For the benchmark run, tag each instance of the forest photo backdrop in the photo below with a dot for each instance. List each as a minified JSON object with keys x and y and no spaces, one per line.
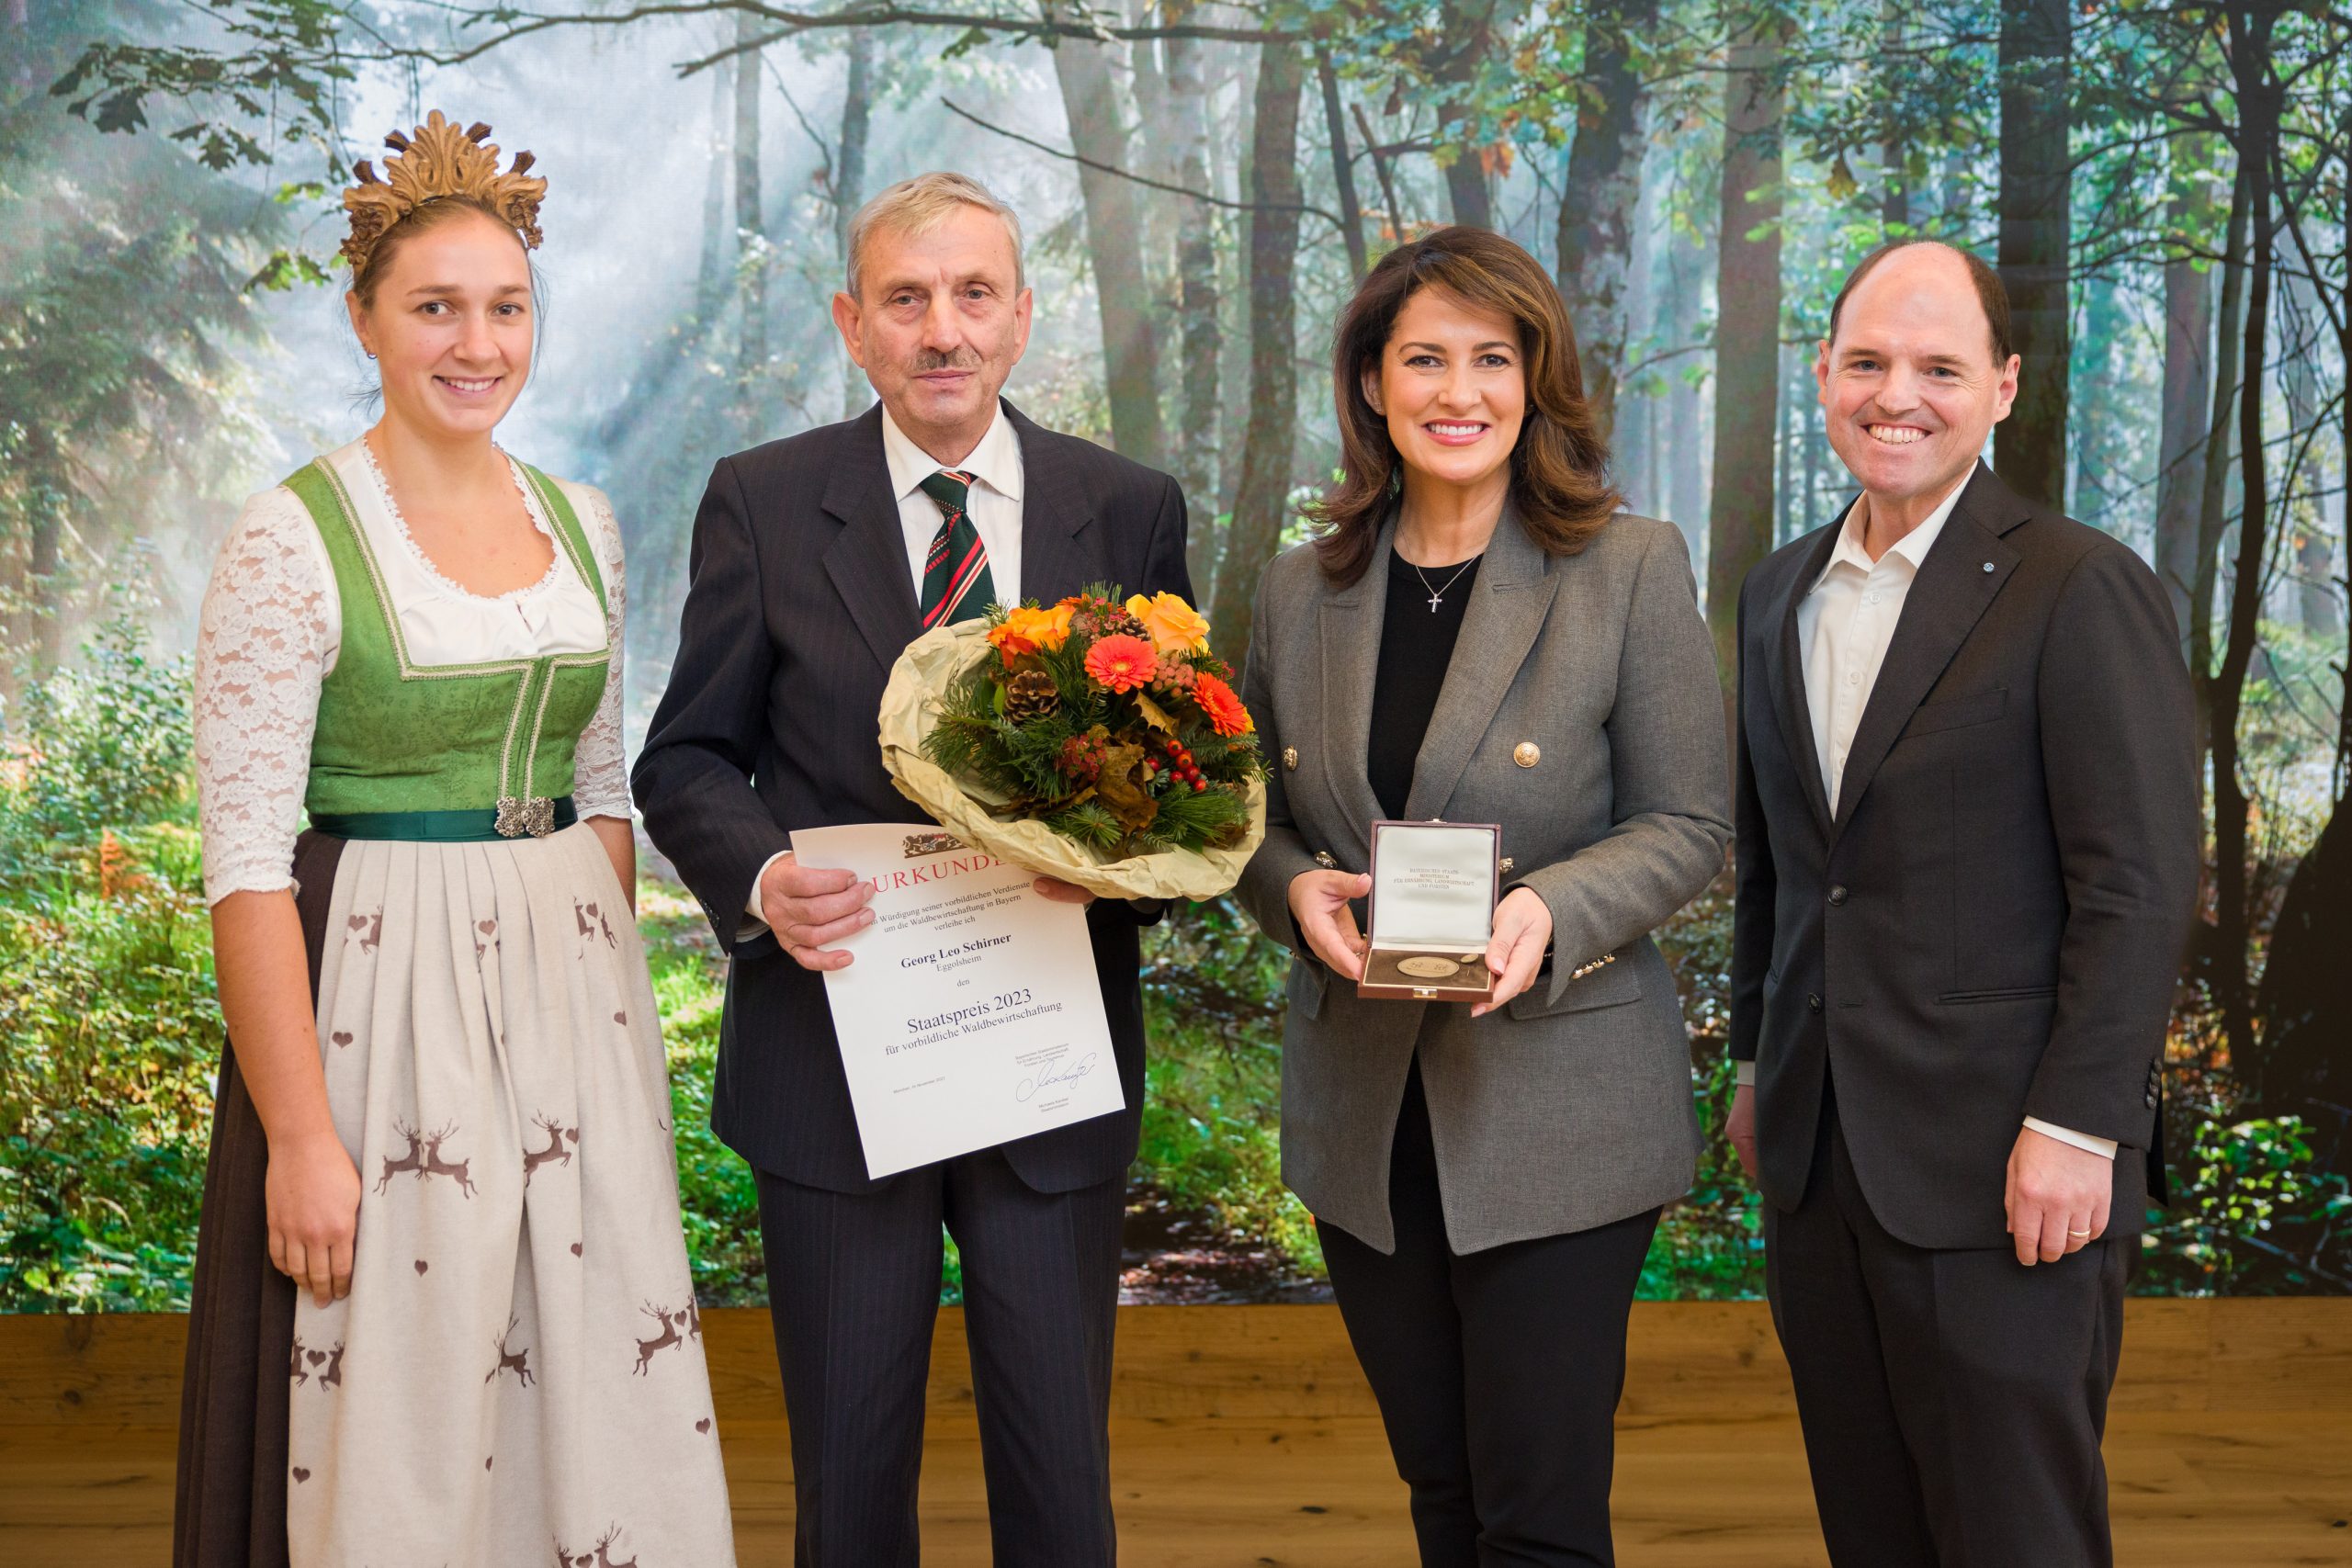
{"x":2163,"y":186}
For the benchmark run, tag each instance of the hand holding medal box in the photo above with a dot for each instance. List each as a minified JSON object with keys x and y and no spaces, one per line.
{"x":1431,"y":911}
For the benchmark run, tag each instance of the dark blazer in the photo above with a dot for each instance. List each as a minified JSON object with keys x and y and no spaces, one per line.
{"x":799,"y":602}
{"x":1991,"y":926}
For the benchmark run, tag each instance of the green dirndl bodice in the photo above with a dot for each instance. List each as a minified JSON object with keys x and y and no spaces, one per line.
{"x":444,"y":752}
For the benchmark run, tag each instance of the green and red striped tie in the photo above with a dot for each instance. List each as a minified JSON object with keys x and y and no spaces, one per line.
{"x":956,"y":581}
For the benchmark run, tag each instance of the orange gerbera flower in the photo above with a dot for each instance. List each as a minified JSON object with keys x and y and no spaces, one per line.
{"x":1122,"y":663}
{"x":1225,"y":714}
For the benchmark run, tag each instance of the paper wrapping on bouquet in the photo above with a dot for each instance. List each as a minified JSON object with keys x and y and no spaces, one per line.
{"x":932,"y":664}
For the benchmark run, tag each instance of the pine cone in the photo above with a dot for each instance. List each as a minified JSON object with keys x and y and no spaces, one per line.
{"x":1030,"y":694}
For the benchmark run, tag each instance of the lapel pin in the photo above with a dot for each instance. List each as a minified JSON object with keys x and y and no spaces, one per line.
{"x":1988,"y":566}
{"x":1290,"y":757}
{"x":1527,"y":753}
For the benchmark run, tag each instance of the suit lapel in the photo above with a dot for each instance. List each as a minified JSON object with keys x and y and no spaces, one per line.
{"x":1958,"y":581}
{"x":1054,"y":512}
{"x":1787,"y":668}
{"x":1350,"y":634}
{"x":867,"y":561}
{"x":1515,"y":588}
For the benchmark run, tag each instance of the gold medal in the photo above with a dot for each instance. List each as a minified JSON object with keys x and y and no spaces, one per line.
{"x":1430,"y":966}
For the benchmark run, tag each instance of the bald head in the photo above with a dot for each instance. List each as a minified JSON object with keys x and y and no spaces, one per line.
{"x":1942,"y":264}
{"x":1915,"y":373}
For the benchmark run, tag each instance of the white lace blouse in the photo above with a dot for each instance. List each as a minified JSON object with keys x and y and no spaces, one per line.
{"x":272,"y":625}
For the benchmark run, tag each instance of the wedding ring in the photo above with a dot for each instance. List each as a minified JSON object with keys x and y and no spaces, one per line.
{"x":2077,"y":1232}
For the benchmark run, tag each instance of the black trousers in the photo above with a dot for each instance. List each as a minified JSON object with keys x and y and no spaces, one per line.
{"x":853,"y":1288}
{"x":1952,"y":1401}
{"x":1498,"y":1373}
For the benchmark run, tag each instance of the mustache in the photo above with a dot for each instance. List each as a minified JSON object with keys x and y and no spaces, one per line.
{"x":951,"y":359}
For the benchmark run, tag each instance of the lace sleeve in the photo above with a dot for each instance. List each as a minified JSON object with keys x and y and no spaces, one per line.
{"x":265,"y":641}
{"x":600,"y":765}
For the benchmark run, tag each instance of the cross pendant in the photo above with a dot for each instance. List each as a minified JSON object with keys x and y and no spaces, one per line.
{"x":1435,"y":599}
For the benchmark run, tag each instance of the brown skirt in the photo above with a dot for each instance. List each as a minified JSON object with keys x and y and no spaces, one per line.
{"x":229,"y":1508}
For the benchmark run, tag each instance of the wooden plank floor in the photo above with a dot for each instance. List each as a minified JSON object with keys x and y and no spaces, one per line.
{"x":1244,"y":1437}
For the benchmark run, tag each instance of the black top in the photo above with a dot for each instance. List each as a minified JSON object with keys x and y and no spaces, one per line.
{"x":1416,"y":645}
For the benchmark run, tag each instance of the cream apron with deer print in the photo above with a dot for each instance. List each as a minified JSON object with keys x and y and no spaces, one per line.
{"x":518,"y":1369}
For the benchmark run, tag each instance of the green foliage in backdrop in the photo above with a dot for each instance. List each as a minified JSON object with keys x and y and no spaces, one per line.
{"x":110,"y":1038}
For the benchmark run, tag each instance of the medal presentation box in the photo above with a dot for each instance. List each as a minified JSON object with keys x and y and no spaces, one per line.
{"x":1431,"y":911}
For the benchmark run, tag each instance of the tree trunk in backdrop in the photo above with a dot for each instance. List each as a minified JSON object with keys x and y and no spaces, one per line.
{"x":1114,"y":248}
{"x":2258,"y":104}
{"x":1894,"y":196}
{"x":2029,"y":447}
{"x":1603,"y":187}
{"x":2213,"y":500}
{"x":848,"y":187}
{"x":1343,"y":174}
{"x":2186,"y":424}
{"x":1198,"y":302}
{"x":2303,"y":511}
{"x":1685,"y":415}
{"x":751,"y":222}
{"x":711,"y":275}
{"x":1469,"y":31}
{"x":1261,"y":496}
{"x":1747,"y":322}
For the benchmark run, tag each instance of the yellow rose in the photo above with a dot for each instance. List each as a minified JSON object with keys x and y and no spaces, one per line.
{"x":1175,"y":627}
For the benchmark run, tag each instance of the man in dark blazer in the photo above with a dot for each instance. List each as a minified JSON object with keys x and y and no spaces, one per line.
{"x":1968,"y":839}
{"x":815,"y":560}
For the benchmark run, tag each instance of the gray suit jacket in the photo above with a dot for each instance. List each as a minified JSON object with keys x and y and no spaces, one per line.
{"x":1570,"y":1106}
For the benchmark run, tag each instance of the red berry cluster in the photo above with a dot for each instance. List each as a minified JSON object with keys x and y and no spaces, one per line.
{"x":1181,"y":768}
{"x":1081,"y":759}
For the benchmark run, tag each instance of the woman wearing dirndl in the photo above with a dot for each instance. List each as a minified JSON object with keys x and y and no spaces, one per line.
{"x":442,"y":1311}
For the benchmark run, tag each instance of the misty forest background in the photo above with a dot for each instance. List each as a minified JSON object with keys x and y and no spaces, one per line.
{"x":2162,"y":185}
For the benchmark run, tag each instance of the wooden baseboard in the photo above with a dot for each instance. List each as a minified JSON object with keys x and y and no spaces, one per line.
{"x":1717,"y":1359}
{"x":1243,"y":1435}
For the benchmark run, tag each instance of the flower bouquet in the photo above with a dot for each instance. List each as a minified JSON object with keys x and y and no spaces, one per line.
{"x":1096,"y":741}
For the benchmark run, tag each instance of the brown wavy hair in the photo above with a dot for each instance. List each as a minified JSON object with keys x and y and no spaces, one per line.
{"x":1559,"y":471}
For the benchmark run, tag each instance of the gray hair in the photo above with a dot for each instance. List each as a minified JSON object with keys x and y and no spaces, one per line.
{"x":921,"y":204}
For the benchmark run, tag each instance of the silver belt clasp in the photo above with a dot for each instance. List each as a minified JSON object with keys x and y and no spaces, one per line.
{"x":520,"y":816}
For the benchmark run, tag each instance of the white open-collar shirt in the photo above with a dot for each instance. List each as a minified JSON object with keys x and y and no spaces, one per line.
{"x":994,"y":502}
{"x":1844,"y":624}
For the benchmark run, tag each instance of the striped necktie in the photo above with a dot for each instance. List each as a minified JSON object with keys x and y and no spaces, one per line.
{"x":956,"y":581}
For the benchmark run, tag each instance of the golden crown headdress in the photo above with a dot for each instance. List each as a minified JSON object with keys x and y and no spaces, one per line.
{"x":433,"y":161}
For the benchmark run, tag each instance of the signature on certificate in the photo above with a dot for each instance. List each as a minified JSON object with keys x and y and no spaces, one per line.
{"x":1053,"y":1073}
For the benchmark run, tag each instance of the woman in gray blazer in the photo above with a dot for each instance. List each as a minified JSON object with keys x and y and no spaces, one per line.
{"x":1478,"y":634}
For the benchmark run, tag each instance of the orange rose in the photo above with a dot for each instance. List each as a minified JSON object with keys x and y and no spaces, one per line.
{"x":1053,"y":626}
{"x":1225,"y":712}
{"x":1029,"y":631}
{"x":1122,"y":663}
{"x":1175,"y":627}
{"x":1006,"y":638}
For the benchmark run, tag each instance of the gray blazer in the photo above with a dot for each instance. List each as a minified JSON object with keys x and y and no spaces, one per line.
{"x":1570,"y":1106}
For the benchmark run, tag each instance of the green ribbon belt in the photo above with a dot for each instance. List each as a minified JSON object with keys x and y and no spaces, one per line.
{"x":427,"y":827}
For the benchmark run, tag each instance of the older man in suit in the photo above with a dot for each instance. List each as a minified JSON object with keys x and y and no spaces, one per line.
{"x":1967,"y":840}
{"x":815,"y":560}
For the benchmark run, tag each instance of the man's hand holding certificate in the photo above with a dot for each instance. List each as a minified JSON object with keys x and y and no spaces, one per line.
{"x":968,"y":1005}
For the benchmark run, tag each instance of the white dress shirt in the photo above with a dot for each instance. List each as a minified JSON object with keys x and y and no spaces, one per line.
{"x":1844,"y":624}
{"x":994,"y":502}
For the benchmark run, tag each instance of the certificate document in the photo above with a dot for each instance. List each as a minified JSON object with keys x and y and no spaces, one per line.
{"x":972,"y":1014}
